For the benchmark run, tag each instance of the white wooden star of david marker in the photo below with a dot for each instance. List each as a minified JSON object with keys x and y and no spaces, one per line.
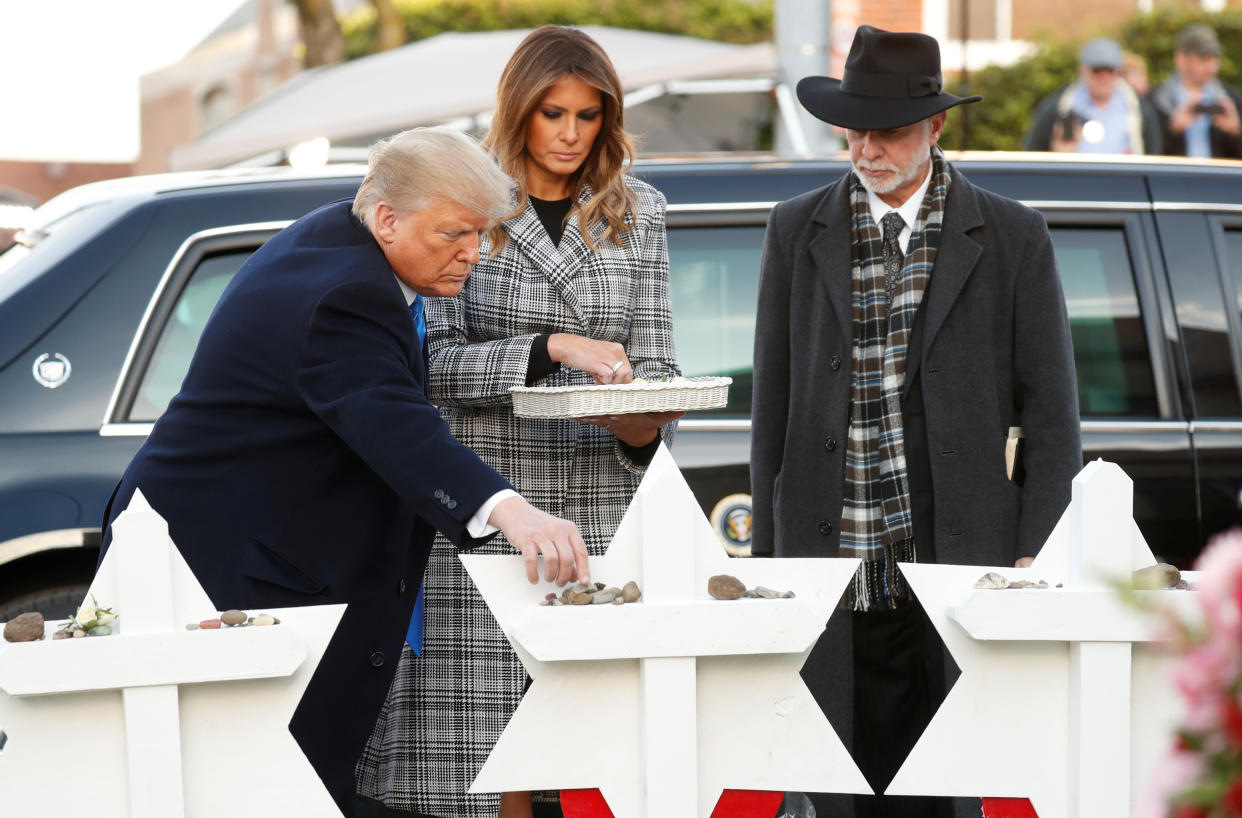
{"x":156,"y":721}
{"x":1058,"y":700}
{"x":664,"y":703}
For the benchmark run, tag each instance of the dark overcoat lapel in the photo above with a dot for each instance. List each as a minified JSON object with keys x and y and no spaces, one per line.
{"x":833,"y":220}
{"x":955,"y":261}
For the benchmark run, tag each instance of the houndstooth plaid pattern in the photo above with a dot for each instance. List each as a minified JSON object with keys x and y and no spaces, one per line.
{"x":876,"y":521}
{"x":446,"y":709}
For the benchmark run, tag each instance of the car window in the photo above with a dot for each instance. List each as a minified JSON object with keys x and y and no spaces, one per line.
{"x":1233,"y":262}
{"x":1203,"y":321}
{"x":714,"y":288}
{"x":1110,"y":347}
{"x":180,"y":334}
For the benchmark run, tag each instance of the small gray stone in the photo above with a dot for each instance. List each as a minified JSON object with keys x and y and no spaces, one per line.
{"x":79,"y":634}
{"x":100,"y":630}
{"x":1156,"y":577}
{"x":193,"y":626}
{"x":724,"y":586}
{"x":63,"y":634}
{"x":27,"y":627}
{"x":766,"y":593}
{"x":787,"y":594}
{"x":604,"y":596}
{"x":618,"y":601}
{"x":630,"y":592}
{"x":750,"y":594}
{"x":232,"y":617}
{"x":264,"y":619}
{"x":991,"y":581}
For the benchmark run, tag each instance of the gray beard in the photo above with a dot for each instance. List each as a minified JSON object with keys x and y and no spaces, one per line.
{"x":899,"y":178}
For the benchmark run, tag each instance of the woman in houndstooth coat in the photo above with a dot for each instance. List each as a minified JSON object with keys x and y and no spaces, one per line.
{"x":548,"y":304}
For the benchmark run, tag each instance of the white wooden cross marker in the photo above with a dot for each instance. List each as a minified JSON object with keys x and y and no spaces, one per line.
{"x":665,"y":703}
{"x":1043,"y":708}
{"x":60,"y":718}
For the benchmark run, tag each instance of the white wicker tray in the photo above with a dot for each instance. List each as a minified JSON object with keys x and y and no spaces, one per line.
{"x":680,"y":395}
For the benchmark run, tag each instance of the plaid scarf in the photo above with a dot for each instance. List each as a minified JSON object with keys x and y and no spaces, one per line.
{"x":876,"y":522}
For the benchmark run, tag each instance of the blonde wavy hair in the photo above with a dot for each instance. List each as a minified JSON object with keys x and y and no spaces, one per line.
{"x":548,"y":55}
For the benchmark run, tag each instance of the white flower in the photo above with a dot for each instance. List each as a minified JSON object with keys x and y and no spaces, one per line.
{"x":104,"y":617}
{"x":86,"y":615}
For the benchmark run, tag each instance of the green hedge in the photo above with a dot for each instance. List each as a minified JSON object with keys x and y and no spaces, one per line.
{"x":1011,"y":93}
{"x":733,"y":21}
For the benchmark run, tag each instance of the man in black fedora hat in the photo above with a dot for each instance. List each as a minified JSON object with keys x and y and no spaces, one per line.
{"x":907,"y":321}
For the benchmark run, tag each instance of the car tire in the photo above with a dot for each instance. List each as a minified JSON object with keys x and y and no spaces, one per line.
{"x":60,"y":602}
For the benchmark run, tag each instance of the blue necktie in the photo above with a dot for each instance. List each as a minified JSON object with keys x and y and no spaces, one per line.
{"x":414,"y":636}
{"x":420,"y":320}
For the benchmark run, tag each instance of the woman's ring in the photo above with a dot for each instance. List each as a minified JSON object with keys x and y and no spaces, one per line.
{"x":617,"y":366}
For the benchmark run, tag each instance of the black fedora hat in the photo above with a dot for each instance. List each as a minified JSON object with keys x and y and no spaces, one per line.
{"x":891,"y":79}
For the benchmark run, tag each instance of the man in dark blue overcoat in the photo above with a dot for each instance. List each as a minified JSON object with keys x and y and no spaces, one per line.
{"x":302,"y":464}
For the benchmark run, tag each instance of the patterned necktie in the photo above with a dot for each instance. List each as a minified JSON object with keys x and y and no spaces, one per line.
{"x":414,"y":634}
{"x":420,"y":320}
{"x":894,"y":259}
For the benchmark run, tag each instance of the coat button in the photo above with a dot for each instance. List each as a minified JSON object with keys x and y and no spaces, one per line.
{"x":830,"y":444}
{"x":377,"y":659}
{"x":439,"y":494}
{"x":452,"y":504}
{"x":825,"y":527}
{"x":835,"y":362}
{"x":401,"y":586}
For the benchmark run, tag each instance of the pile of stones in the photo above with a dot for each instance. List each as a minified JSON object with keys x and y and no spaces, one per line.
{"x":233,"y":618}
{"x":994,"y":581}
{"x":91,"y":620}
{"x":1158,"y":577}
{"x":595,"y":594}
{"x":724,"y":586}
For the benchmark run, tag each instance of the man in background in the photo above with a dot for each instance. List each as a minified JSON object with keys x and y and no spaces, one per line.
{"x":1098,"y":113}
{"x":1198,"y":113}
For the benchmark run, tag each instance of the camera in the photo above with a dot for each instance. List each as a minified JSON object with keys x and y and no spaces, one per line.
{"x":1068,"y":123}
{"x":1209,"y":108}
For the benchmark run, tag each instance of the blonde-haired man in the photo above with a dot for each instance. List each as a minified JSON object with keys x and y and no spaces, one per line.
{"x":301,"y":463}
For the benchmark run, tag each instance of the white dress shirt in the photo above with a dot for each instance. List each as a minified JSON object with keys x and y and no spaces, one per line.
{"x":909,"y":210}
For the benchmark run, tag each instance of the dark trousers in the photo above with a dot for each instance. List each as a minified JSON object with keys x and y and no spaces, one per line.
{"x":898,"y":684}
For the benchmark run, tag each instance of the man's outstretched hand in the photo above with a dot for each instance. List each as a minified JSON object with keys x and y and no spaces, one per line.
{"x":535,"y":533}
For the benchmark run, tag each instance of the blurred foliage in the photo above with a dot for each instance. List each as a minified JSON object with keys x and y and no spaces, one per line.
{"x":732,"y":21}
{"x":1151,"y":36}
{"x":1012,"y":93}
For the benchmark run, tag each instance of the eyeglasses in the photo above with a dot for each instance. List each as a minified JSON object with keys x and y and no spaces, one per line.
{"x":1102,"y":69}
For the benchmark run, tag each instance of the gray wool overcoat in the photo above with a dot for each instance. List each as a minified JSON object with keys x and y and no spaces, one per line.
{"x":995,"y":353}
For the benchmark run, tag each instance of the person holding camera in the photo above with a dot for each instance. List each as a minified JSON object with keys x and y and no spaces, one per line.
{"x":1198,"y":113}
{"x":1099,"y":113}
